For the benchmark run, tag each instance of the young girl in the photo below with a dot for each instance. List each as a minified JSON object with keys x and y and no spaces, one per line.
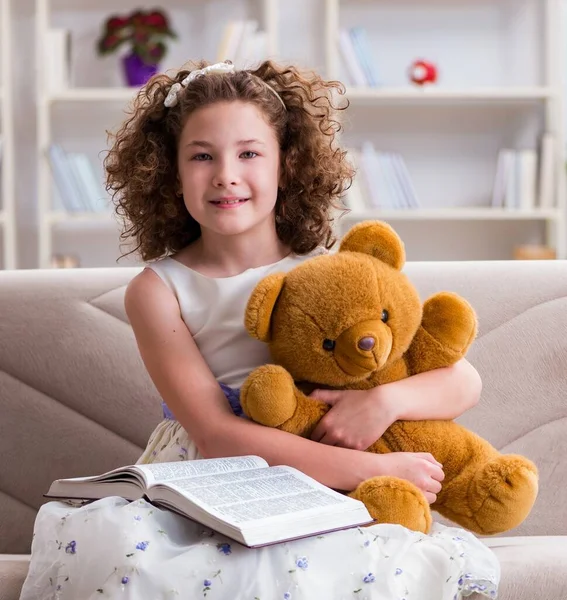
{"x":225,"y":176}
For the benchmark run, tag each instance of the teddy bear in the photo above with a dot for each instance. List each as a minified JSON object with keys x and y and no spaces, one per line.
{"x":352,"y":320}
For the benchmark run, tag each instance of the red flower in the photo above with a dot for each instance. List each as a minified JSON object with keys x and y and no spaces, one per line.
{"x":143,"y":31}
{"x":156,"y":19}
{"x":115,"y":23}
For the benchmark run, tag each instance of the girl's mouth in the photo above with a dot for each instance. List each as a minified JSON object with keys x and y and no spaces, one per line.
{"x":229,"y":203}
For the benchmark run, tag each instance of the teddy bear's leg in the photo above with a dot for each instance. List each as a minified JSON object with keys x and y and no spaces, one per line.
{"x":270,"y":397}
{"x":498,"y":498}
{"x":448,"y":328}
{"x":483,"y":490}
{"x":394,"y":500}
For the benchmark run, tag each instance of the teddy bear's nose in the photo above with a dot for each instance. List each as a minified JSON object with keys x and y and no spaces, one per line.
{"x":366,"y":343}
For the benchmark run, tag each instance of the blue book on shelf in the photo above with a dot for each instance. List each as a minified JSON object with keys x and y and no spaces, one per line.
{"x":362,"y":49}
{"x":67,"y":188}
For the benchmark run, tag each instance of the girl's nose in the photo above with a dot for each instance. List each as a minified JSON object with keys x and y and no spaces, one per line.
{"x":226,"y":175}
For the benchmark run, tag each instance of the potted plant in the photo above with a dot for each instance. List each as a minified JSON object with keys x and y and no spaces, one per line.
{"x":144,"y":32}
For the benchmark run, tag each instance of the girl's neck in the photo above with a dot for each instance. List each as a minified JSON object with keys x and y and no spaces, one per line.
{"x":217,"y":255}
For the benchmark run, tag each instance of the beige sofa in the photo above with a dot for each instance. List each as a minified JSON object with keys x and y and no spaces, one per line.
{"x":75,"y":398}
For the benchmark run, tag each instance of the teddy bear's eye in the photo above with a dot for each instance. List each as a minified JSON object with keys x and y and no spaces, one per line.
{"x":328,"y":345}
{"x":385,"y":315}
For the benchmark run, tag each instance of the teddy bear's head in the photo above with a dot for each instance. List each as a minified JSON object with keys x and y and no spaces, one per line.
{"x":338,"y":318}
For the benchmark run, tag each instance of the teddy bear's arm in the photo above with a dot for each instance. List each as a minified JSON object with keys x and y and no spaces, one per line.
{"x":270,"y":397}
{"x":447,"y":330}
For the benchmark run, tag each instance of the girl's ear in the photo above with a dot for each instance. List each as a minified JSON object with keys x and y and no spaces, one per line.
{"x":258,"y":317}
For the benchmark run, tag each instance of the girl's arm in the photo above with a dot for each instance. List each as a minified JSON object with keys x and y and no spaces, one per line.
{"x":440,"y":394}
{"x":190,"y":390}
{"x":359,"y":418}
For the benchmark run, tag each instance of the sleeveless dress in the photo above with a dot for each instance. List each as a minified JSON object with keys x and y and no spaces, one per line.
{"x":113,"y":548}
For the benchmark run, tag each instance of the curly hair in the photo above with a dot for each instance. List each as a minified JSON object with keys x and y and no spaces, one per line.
{"x":141,"y":165}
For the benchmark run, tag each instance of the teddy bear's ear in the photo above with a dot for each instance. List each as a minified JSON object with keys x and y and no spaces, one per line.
{"x":377,"y":239}
{"x":261,"y":306}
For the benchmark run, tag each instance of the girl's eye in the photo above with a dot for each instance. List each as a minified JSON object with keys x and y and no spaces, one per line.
{"x":249,"y":154}
{"x":202,"y":157}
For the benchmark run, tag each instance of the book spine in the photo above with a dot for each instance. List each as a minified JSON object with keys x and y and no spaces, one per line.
{"x":352,"y":64}
{"x":527,"y":183}
{"x":546,"y":183}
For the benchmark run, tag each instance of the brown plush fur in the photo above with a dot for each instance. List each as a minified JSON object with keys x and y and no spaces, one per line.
{"x":341,"y":298}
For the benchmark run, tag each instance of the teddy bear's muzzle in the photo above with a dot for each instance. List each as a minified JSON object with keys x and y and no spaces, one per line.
{"x":363,"y":348}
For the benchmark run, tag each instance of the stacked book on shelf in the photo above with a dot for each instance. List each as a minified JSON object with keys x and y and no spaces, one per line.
{"x":243,"y":43}
{"x":78,"y":188}
{"x":523,"y":180}
{"x":357,"y":57}
{"x":382,"y":181}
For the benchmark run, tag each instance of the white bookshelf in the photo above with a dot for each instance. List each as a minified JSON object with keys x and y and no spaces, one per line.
{"x":500,"y":86}
{"x":77,"y":116}
{"x":7,"y":199}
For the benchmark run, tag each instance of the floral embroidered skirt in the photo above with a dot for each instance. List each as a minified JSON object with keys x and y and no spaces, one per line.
{"x":113,"y":548}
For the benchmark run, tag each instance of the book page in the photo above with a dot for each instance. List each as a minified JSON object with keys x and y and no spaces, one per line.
{"x":258,"y":494}
{"x":171,"y":471}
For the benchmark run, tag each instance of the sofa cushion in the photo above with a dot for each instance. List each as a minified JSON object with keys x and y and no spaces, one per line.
{"x":532,"y":567}
{"x":13,"y":571}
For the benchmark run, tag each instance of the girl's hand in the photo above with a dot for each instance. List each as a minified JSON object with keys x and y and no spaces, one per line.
{"x":356,"y":420}
{"x":418,"y":467}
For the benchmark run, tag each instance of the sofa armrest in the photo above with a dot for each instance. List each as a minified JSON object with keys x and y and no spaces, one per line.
{"x":13,"y":571}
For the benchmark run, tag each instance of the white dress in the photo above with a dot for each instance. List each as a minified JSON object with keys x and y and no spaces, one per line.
{"x":113,"y":548}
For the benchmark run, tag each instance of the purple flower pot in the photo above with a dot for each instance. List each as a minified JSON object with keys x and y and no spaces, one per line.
{"x":137,"y":72}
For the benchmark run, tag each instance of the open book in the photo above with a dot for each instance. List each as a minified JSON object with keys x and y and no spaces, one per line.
{"x":240,"y":497}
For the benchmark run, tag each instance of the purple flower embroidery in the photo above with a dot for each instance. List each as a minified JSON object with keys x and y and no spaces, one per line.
{"x":369,"y":578}
{"x":287,"y":596}
{"x":125,"y":580}
{"x":71,"y":547}
{"x":302,"y":562}
{"x":224,"y":549}
{"x":142,"y":546}
{"x":399,"y":571}
{"x":207,"y":583}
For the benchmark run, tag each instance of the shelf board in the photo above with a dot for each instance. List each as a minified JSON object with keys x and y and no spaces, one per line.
{"x":116,"y":94}
{"x":456,"y":214}
{"x":413,"y":95}
{"x":82,"y":220}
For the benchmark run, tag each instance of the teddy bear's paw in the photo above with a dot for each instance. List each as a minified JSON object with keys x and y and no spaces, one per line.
{"x":394,"y":500}
{"x":451,"y":320}
{"x":502,"y":494}
{"x":268,"y":395}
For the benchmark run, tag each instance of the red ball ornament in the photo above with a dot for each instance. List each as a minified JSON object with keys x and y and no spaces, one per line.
{"x":422,"y":72}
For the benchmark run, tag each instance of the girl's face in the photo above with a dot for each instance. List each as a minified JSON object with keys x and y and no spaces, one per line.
{"x":228,"y":164}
